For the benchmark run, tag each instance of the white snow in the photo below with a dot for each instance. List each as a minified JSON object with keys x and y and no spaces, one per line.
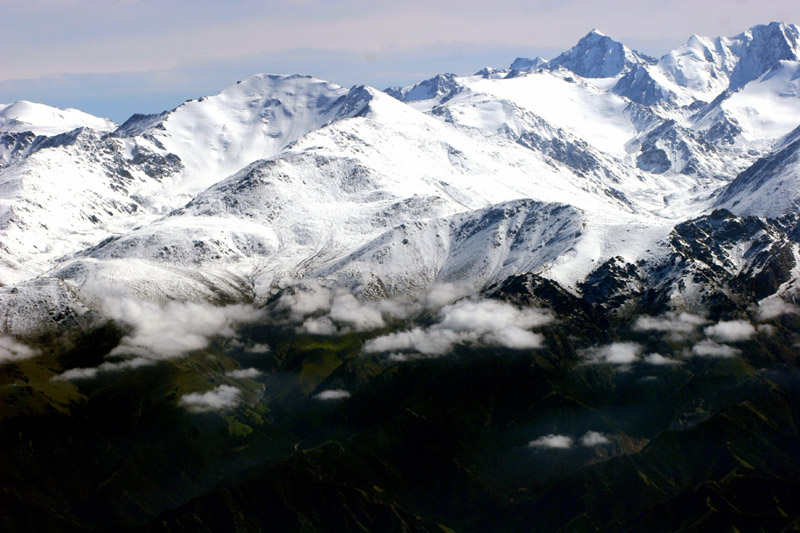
{"x":585,"y":111}
{"x":46,"y":120}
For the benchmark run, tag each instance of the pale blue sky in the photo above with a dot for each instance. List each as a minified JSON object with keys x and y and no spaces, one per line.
{"x":116,"y":57}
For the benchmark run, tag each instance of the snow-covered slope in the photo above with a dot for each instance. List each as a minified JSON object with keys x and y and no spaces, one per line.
{"x":216,"y":136}
{"x":72,"y":191}
{"x":771,"y":187}
{"x":765,"y":109}
{"x":341,"y":188}
{"x":42,"y":119}
{"x":105,"y":185}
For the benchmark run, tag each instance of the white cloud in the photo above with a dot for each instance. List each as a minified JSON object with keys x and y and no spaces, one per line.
{"x":11,"y":350}
{"x":241,"y":373}
{"x":218,"y":399}
{"x":766,"y":329}
{"x":486,"y":322}
{"x":616,"y":353}
{"x":164,"y":331}
{"x":343,"y":312}
{"x":773,"y":307}
{"x":709,"y":348}
{"x":552,"y":441}
{"x":732,"y":331}
{"x":173,"y":329}
{"x":332,"y":394}
{"x":319,"y":326}
{"x":258,"y":348}
{"x":441,"y":294}
{"x":346,"y":309}
{"x":659,"y":360}
{"x":593,"y":438}
{"x":305,"y":300}
{"x":490,"y":315}
{"x":670,"y":323}
{"x":431,"y":341}
{"x":108,"y":366}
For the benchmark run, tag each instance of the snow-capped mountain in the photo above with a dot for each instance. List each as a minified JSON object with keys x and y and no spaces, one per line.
{"x":41,"y":119}
{"x":552,"y":168}
{"x":599,"y":56}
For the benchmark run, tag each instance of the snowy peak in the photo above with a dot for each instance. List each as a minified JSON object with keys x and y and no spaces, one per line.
{"x":706,"y":67}
{"x":43,"y":119}
{"x":437,"y":87}
{"x":761,"y":48}
{"x":218,"y":135}
{"x":523,"y":64}
{"x":599,"y":56}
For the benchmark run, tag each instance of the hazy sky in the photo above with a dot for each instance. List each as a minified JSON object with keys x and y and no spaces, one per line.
{"x":117,"y":57}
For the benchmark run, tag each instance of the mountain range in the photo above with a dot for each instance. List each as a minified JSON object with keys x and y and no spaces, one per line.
{"x":594,"y":192}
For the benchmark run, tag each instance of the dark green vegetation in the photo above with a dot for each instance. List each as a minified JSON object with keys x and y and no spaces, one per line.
{"x":430,"y":444}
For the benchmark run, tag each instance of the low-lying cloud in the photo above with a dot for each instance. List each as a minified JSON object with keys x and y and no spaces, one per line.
{"x":241,"y":373}
{"x":332,"y":394}
{"x":591,"y":439}
{"x":709,"y":348}
{"x":322,"y":311}
{"x":773,"y":307}
{"x":104,"y":368}
{"x":258,"y":348}
{"x":218,"y":399}
{"x":732,"y":331}
{"x":659,"y":360}
{"x":165,"y":332}
{"x":560,"y":442}
{"x":483,"y":322}
{"x":616,"y":353}
{"x":670,"y":323}
{"x":11,"y":350}
{"x":441,"y":294}
{"x":173,"y":329}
